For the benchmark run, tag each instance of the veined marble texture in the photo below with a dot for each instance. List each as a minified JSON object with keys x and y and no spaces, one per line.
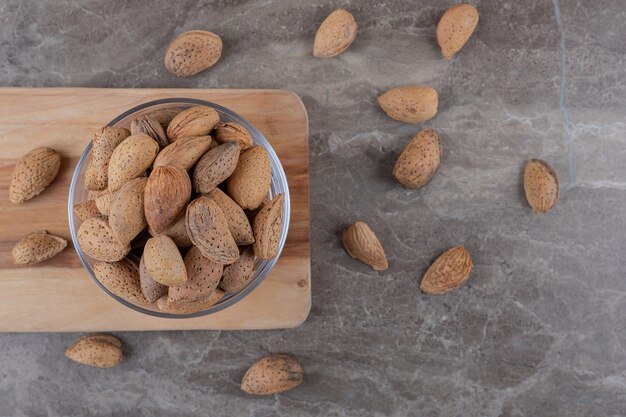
{"x":539,"y":330}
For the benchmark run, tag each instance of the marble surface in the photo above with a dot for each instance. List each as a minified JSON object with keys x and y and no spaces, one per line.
{"x":538,"y":331}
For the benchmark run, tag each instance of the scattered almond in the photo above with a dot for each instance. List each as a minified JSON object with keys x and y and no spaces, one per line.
{"x":151,"y":289}
{"x":238,"y":222}
{"x":203,"y":275}
{"x":233,"y":132}
{"x":37,"y":247}
{"x":122,"y":279}
{"x":167,"y":193}
{"x":192,"y":52}
{"x":449,"y":272}
{"x":86,"y":210}
{"x":410,"y":104}
{"x":97,"y":240}
{"x":420,"y":159}
{"x":184,"y":153}
{"x":33,"y":173}
{"x":335,"y":34}
{"x":361,"y":243}
{"x":237,"y":275}
{"x":99,"y":350}
{"x":215,"y":166}
{"x":150,"y":127}
{"x":188,"y":307}
{"x":104,"y":142}
{"x":195,"y":121}
{"x":455,"y":28}
{"x":541,"y":185}
{"x":250,"y":181}
{"x":273,"y":374}
{"x":163,"y":261}
{"x":126,"y":213}
{"x":268,"y":228}
{"x":130,"y":159}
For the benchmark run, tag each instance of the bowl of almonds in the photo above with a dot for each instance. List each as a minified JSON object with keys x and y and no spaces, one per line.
{"x":179,"y":208}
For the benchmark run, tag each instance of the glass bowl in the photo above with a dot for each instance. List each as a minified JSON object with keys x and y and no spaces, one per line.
{"x":78,"y":193}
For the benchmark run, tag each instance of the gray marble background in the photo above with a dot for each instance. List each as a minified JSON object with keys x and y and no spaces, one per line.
{"x":539,"y":330}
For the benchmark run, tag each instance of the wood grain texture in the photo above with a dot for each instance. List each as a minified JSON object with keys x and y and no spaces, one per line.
{"x":58,"y":295}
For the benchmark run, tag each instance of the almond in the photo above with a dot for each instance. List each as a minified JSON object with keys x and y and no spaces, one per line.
{"x":126,"y":213}
{"x":188,"y":307}
{"x":361,"y":243}
{"x":335,"y":34}
{"x":273,"y":374}
{"x":203,"y":275}
{"x":163,"y":261}
{"x":541,"y":185}
{"x":151,"y":289}
{"x":455,"y":28}
{"x":184,"y":153}
{"x":238,"y":222}
{"x":122,"y":279}
{"x":233,"y":132}
{"x":195,"y":121}
{"x":104,"y":142}
{"x":208,"y":230}
{"x":167,"y":193}
{"x":130,"y":159}
{"x":37,"y":247}
{"x":86,"y":209}
{"x":178,"y":233}
{"x":215,"y":166}
{"x":103,"y":202}
{"x":151,"y":127}
{"x":268,"y":228}
{"x":164,"y":116}
{"x":250,"y":181}
{"x":99,"y":350}
{"x":410,"y":104}
{"x":449,"y":271}
{"x":192,"y":52}
{"x":237,"y":275}
{"x":97,"y":240}
{"x":33,"y":173}
{"x":420,"y":159}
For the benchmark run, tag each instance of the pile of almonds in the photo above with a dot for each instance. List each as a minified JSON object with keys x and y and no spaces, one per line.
{"x":161,"y":230}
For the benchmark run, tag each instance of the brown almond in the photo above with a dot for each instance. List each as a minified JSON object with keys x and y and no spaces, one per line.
{"x":455,"y":28}
{"x":208,"y":230}
{"x":122,"y":279}
{"x":361,"y":243}
{"x":250,"y":181}
{"x":98,"y":350}
{"x":163,"y":261}
{"x":237,"y":275}
{"x":97,"y":240}
{"x":185,"y":306}
{"x":335,"y":34}
{"x":541,"y":185}
{"x":449,"y":271}
{"x":195,"y":121}
{"x":410,"y":104}
{"x":178,"y":233}
{"x":130,"y":159}
{"x":215,"y":166}
{"x":86,"y":209}
{"x":268,"y":228}
{"x":164,"y":116}
{"x":203,"y":275}
{"x":104,"y":142}
{"x":126,"y":213}
{"x":273,"y":374}
{"x":37,"y":247}
{"x":420,"y":159}
{"x":233,"y":132}
{"x":184,"y":153}
{"x":103,"y":202}
{"x":192,"y":52}
{"x":33,"y":173}
{"x":150,"y":288}
{"x":166,"y":195}
{"x":149,"y":126}
{"x":238,"y":222}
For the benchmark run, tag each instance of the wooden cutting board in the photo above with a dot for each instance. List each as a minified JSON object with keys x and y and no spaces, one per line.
{"x":58,"y":295}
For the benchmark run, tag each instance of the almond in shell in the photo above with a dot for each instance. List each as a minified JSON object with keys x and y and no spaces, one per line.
{"x":195,"y":121}
{"x":192,"y":52}
{"x":455,"y":28}
{"x":37,"y":247}
{"x":178,"y":233}
{"x":104,"y":142}
{"x":130,"y":159}
{"x":163,"y":261}
{"x":238,"y":222}
{"x":86,"y":209}
{"x":208,"y":230}
{"x":150,"y":288}
{"x":164,"y":116}
{"x":410,"y":104}
{"x":122,"y":279}
{"x":103,"y":202}
{"x":273,"y":374}
{"x":203,"y":276}
{"x":268,"y":228}
{"x":149,"y":126}
{"x":541,"y":185}
{"x":335,"y":34}
{"x":126,"y":213}
{"x":98,"y":350}
{"x":33,"y":173}
{"x":233,"y":132}
{"x":167,"y":193}
{"x":420,"y":159}
{"x":96,"y":239}
{"x":250,"y":181}
{"x":361,"y":243}
{"x":215,"y":166}
{"x":184,"y":153}
{"x":449,"y":271}
{"x":237,"y":275}
{"x":184,"y":306}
